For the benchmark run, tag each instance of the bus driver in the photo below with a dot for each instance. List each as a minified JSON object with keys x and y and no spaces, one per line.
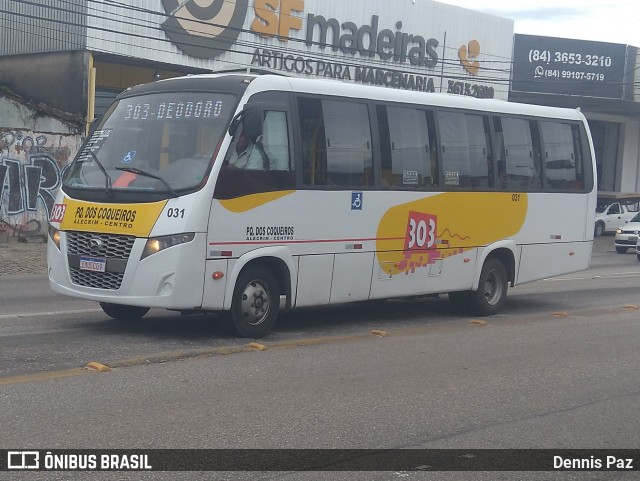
{"x":246,"y":154}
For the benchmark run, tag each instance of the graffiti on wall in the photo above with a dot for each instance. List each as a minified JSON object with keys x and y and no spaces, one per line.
{"x":31,"y":170}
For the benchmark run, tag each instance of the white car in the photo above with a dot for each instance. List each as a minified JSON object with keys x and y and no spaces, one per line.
{"x":610,"y":217}
{"x":627,"y":235}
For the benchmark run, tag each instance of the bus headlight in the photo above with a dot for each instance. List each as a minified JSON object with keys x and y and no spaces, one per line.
{"x":618,"y":231}
{"x":54,"y":235}
{"x":157,"y":244}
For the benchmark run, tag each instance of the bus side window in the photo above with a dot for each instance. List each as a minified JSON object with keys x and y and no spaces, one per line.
{"x":587,"y":161}
{"x":559,"y":156}
{"x":433,"y":145}
{"x":336,"y":141}
{"x":515,"y":157}
{"x":275,"y":140}
{"x":537,"y":154}
{"x":467,"y":160}
{"x":314,"y":153}
{"x":500,"y":154}
{"x":406,"y":144}
{"x":582,"y":176}
{"x":270,"y":168}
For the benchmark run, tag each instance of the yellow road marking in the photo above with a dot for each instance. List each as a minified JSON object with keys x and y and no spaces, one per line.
{"x":42,"y":376}
{"x":478,"y":322}
{"x":98,"y":366}
{"x":228,"y":350}
{"x":379,"y":333}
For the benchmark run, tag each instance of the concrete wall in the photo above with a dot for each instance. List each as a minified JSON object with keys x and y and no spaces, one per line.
{"x":58,"y":80}
{"x":35,"y":148}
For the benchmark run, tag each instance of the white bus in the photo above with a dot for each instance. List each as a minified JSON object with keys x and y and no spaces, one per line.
{"x":353,"y":193}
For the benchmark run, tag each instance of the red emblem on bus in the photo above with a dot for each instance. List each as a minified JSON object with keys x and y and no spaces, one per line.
{"x":57,"y":212}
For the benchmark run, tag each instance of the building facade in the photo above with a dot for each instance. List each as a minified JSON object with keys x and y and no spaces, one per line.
{"x":66,"y":61}
{"x":601,"y":79}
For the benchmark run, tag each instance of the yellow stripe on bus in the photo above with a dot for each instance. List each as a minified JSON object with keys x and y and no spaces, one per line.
{"x":461,"y":221}
{"x":249,"y":202}
{"x":128,"y":219}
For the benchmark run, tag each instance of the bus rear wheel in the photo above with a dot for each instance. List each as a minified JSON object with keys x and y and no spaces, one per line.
{"x":491,"y":293}
{"x":599,"y":229}
{"x":123,"y":313}
{"x":492,"y":289}
{"x":256,"y":302}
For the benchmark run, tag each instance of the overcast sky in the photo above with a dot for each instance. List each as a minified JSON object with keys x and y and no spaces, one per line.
{"x":615,"y":21}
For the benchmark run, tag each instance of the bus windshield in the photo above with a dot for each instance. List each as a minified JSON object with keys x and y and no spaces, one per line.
{"x":160,"y":144}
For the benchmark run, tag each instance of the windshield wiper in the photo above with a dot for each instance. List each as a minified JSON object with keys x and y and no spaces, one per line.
{"x":133,"y":170}
{"x":107,"y":178}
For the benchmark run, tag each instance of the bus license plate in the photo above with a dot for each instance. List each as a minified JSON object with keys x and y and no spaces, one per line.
{"x":96,"y":264}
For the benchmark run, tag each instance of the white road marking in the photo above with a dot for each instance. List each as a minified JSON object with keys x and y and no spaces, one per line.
{"x":603,"y":276}
{"x":54,"y":313}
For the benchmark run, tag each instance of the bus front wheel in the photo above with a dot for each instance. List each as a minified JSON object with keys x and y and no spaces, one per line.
{"x":122,"y":313}
{"x":255,"y":304}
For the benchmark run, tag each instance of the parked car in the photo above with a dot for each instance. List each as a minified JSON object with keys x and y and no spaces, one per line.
{"x":627,"y":235}
{"x":612,"y":216}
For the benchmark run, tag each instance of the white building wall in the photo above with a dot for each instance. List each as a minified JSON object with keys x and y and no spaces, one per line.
{"x":135,"y":31}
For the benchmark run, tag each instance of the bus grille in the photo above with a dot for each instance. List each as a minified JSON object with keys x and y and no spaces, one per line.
{"x":113,"y":246}
{"x":99,"y":280}
{"x":109,"y":247}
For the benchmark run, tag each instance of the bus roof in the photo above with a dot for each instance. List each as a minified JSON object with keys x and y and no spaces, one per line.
{"x":387,"y":94}
{"x":261,"y":82}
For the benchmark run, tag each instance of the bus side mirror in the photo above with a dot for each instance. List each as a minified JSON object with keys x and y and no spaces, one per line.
{"x":251,"y":118}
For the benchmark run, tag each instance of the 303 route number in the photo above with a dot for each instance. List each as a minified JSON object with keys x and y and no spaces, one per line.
{"x":421,"y":231}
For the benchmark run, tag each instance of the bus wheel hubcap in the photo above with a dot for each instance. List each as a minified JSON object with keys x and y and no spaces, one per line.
{"x":255,"y":303}
{"x":492,"y":288}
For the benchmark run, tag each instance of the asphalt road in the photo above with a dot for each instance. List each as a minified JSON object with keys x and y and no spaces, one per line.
{"x":557,"y":369}
{"x":42,"y":332}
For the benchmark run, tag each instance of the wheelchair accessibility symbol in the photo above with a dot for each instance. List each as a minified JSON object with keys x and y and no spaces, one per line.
{"x":356,"y":200}
{"x":127,"y":159}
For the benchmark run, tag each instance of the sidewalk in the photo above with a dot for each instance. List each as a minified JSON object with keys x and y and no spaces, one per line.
{"x":17,"y":258}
